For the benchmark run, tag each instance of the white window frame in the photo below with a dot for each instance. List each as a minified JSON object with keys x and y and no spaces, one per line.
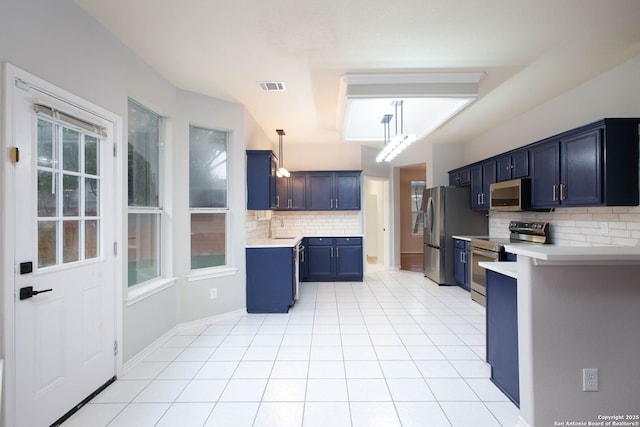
{"x":222,"y":270}
{"x":143,"y":290}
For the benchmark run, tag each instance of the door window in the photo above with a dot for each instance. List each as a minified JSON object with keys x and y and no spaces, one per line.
{"x":68,"y":195}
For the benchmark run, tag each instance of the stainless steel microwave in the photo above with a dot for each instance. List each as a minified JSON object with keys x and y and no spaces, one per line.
{"x":511,"y":196}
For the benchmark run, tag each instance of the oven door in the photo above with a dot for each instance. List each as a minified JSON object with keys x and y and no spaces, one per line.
{"x":478,"y":274}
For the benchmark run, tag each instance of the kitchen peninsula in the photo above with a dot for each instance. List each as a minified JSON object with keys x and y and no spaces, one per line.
{"x":578,"y":307}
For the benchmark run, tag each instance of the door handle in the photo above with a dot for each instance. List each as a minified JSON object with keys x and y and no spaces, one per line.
{"x":562,"y":192}
{"x":28,"y":292}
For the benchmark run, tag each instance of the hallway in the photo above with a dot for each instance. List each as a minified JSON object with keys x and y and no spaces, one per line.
{"x":396,"y":350}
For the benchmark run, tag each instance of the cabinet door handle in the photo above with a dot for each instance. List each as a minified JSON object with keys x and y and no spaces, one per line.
{"x":478,"y":199}
{"x":331,"y":252}
{"x":337,"y":252}
{"x":289,"y":203}
{"x":336,"y":203}
{"x":331,"y":206}
{"x":554,"y":193}
{"x":562,"y":192}
{"x":278,"y":201}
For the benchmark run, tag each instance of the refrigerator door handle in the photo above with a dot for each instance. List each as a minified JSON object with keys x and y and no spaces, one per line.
{"x":430,"y":214}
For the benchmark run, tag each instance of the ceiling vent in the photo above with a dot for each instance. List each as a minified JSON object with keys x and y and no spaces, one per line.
{"x":272,"y":86}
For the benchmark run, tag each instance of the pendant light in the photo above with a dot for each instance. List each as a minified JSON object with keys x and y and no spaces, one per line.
{"x":387,"y":135}
{"x":281,"y":172}
{"x":400,"y":141}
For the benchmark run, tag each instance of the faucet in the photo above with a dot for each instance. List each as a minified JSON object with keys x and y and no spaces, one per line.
{"x":270,"y":235}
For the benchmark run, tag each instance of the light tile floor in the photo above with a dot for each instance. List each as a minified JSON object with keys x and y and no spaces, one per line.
{"x":396,"y":350}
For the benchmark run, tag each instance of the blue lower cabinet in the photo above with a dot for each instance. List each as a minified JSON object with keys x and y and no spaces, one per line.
{"x":462,"y":254}
{"x":333,"y":259}
{"x":270,"y":280}
{"x":502,"y":333}
{"x":320,"y":262}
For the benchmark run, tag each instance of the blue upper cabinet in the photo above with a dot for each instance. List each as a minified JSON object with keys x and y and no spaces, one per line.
{"x":512,"y":165}
{"x":347,"y":191}
{"x":545,"y":174}
{"x":460,"y":177}
{"x":292,"y":192}
{"x":320,"y":191}
{"x":261,"y":180}
{"x":591,"y":166}
{"x":338,"y":190}
{"x":581,"y":169}
{"x":482,"y":176}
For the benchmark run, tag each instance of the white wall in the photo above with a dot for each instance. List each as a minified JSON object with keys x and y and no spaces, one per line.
{"x":193,"y":295}
{"x":58,"y":42}
{"x":149,"y":319}
{"x":304,"y":157}
{"x":615,"y":93}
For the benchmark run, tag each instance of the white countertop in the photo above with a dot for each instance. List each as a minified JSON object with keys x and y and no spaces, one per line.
{"x":571,"y":254}
{"x":468,"y":238}
{"x":275,"y":243}
{"x":292,"y":241}
{"x":507,"y":268}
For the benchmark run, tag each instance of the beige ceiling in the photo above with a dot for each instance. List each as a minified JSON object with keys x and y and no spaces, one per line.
{"x":530,"y":50}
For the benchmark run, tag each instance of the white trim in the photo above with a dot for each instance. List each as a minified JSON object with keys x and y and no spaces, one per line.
{"x":144,"y":353}
{"x":80,"y":106}
{"x":141,"y":292}
{"x":411,"y":78}
{"x":521,"y":422}
{"x":211,"y":273}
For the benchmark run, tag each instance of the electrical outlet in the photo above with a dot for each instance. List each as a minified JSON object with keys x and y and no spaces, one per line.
{"x":590,"y":379}
{"x":213,"y":293}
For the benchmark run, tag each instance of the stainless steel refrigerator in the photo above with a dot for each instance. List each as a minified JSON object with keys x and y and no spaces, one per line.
{"x":447,"y":212}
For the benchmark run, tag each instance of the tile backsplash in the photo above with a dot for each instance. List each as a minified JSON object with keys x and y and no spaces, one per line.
{"x":305,"y":223}
{"x":596,"y":226}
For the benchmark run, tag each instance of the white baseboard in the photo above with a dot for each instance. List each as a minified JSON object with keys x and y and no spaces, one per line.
{"x":128,"y":365}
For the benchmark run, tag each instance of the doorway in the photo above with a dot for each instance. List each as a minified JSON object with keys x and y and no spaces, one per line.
{"x":61,"y":210}
{"x":376,"y":224}
{"x":412,"y":184}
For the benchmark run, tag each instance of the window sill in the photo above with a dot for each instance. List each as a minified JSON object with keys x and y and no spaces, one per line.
{"x":211,"y":273}
{"x":142,"y":292}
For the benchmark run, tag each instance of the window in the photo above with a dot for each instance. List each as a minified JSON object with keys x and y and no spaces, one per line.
{"x":208,"y":197}
{"x":417,"y":188}
{"x":145,"y":210}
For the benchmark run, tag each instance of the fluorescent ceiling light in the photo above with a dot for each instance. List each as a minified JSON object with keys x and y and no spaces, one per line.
{"x":430,"y":99}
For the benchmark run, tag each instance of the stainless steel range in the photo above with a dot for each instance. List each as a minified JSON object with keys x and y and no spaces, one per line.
{"x":492,"y":249}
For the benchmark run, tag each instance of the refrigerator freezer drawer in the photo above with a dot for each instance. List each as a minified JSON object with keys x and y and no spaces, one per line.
{"x":434,"y":267}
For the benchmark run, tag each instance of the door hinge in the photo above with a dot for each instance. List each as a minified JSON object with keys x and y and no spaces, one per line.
{"x":115,"y":248}
{"x":115,"y":348}
{"x":115,"y":150}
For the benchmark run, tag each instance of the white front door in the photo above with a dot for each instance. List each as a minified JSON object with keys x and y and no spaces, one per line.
{"x":64,"y":234}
